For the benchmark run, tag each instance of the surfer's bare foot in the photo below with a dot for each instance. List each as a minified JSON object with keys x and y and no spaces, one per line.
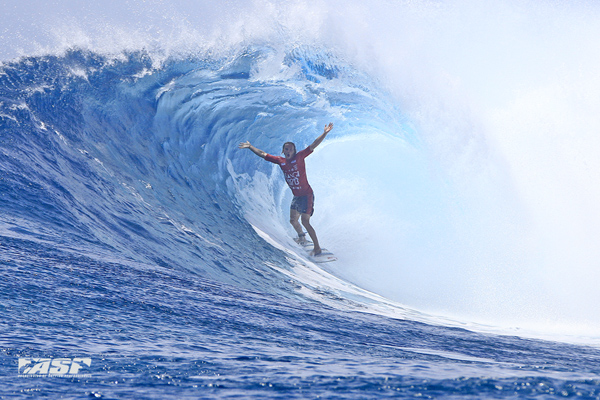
{"x":301,"y":239}
{"x":316,"y":252}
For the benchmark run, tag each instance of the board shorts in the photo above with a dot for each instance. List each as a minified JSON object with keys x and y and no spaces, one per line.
{"x":304,"y":204}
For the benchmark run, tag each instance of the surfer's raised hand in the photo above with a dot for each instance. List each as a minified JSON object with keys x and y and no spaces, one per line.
{"x":247,"y":145}
{"x":318,"y":140}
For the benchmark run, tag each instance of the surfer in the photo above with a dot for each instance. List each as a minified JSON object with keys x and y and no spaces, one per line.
{"x":294,"y":170}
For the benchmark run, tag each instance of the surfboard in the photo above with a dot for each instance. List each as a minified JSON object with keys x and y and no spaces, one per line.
{"x":325,"y":256}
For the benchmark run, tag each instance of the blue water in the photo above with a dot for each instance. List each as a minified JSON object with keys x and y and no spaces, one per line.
{"x":135,"y":233}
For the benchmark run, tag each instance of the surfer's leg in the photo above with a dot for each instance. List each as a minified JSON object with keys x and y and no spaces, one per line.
{"x":311,"y":233}
{"x":294,"y":216}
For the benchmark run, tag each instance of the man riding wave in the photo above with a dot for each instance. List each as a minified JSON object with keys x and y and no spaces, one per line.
{"x":294,"y":171}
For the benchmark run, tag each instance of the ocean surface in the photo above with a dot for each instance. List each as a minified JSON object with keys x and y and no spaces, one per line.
{"x":144,"y":256}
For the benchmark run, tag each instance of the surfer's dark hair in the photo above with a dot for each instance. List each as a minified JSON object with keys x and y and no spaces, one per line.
{"x":292,"y":143}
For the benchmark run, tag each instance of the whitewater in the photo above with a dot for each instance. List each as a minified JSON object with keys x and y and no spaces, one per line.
{"x":143,"y":255}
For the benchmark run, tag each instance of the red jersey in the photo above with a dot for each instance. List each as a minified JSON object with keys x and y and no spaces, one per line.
{"x":294,"y":171}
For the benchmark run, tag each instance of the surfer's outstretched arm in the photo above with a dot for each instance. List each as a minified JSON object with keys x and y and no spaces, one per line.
{"x":318,"y":140}
{"x":258,"y":152}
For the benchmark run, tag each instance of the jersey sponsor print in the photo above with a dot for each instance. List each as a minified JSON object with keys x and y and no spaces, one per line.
{"x":294,"y":171}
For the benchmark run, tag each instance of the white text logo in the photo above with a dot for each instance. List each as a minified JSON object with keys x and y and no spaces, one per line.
{"x":60,"y":367}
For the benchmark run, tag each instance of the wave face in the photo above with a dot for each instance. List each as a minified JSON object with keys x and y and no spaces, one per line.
{"x":119,"y":157}
{"x":95,"y":162}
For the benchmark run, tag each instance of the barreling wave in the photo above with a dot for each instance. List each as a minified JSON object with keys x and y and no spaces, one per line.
{"x":120,"y":157}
